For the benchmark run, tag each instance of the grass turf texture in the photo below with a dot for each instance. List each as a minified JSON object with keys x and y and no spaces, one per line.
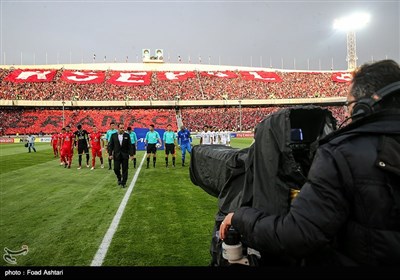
{"x":62,"y":215}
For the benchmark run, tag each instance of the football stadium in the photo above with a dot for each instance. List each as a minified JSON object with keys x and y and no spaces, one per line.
{"x":71,"y":210}
{"x":63,"y":215}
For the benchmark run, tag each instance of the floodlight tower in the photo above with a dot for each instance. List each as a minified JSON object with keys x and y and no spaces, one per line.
{"x":350,"y":24}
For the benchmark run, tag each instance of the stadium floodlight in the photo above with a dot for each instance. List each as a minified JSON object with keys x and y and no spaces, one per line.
{"x":240,"y":115}
{"x":350,"y":24}
{"x":177,"y":98}
{"x":63,"y":113}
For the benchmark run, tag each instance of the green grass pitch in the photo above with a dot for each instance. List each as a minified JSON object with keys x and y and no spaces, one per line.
{"x":63,"y":215}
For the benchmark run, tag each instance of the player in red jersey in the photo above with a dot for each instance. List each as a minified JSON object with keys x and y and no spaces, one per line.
{"x":54,"y":143}
{"x":67,"y":147}
{"x":97,"y":144}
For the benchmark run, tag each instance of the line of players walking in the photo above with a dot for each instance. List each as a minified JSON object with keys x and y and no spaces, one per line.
{"x":63,"y":144}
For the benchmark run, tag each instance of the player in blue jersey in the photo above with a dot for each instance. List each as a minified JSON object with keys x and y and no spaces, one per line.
{"x":184,"y":142}
{"x":110,"y":132}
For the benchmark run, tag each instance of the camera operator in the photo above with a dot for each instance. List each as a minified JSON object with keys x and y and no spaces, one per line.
{"x":348,"y":212}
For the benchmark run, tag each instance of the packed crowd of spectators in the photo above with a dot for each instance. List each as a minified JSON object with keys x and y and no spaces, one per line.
{"x":27,"y":91}
{"x":200,"y":87}
{"x":9,"y":117}
{"x":224,"y":118}
{"x":229,"y":118}
{"x":24,"y":121}
{"x":294,"y":85}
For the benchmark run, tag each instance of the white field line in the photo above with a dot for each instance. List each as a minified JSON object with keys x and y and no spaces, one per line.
{"x":105,"y":244}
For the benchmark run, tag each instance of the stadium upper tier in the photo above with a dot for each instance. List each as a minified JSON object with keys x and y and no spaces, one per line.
{"x":158,"y":85}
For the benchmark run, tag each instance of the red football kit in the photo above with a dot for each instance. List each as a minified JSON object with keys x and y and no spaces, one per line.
{"x":54,"y":143}
{"x":95,"y":138}
{"x":67,"y":142}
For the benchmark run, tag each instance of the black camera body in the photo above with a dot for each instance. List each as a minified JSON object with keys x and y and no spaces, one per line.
{"x":267,"y":175}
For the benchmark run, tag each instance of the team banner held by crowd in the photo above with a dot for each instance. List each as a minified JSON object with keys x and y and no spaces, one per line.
{"x":24,"y":76}
{"x":136,"y":78}
{"x":130,"y":78}
{"x":342,"y":77}
{"x":83,"y":77}
{"x":220,"y":74}
{"x":52,"y":120}
{"x":262,"y":76}
{"x":175,"y":76}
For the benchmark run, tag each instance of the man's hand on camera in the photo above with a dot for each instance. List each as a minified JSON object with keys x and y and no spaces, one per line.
{"x":225,"y":225}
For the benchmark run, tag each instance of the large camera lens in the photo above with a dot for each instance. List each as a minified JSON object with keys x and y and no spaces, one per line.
{"x":232,"y":247}
{"x":232,"y":237}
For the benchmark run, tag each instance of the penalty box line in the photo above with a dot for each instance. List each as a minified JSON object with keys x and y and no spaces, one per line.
{"x":105,"y":244}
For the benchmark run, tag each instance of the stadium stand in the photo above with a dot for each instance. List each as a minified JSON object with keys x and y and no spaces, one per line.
{"x":293,"y":85}
{"x":200,"y":98}
{"x":221,"y":118}
{"x":24,"y":121}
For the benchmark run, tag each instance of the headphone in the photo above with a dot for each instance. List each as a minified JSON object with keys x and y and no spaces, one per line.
{"x":366,"y":106}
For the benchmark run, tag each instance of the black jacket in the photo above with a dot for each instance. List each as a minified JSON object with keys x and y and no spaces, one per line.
{"x":350,"y":205}
{"x":116,"y":150}
{"x":262,"y":175}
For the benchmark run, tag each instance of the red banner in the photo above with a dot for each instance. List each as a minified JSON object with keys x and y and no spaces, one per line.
{"x":270,"y":77}
{"x":83,"y":77}
{"x":221,"y":74}
{"x":244,"y":135}
{"x":6,"y":140}
{"x":144,"y":78}
{"x":342,"y":77}
{"x":130,"y":78}
{"x":175,"y":76}
{"x":23,"y":76}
